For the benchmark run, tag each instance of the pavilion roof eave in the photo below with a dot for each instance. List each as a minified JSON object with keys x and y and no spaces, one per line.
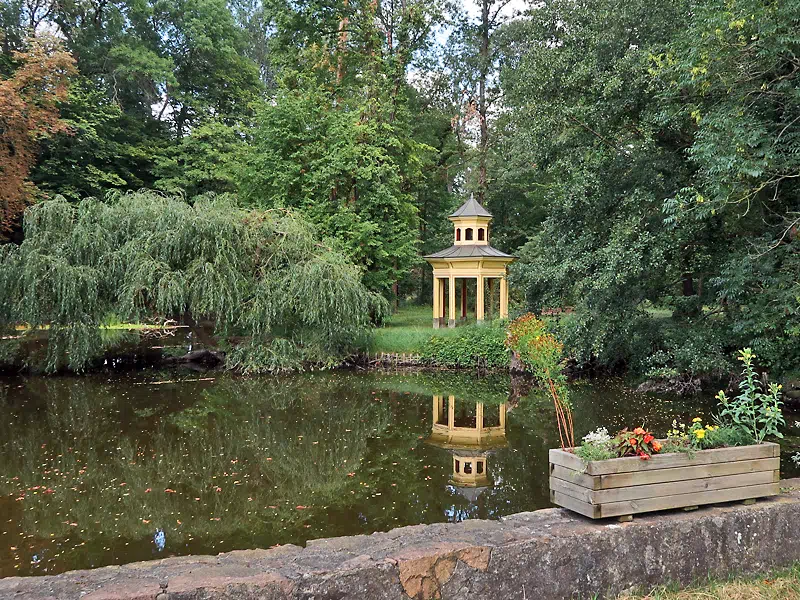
{"x":470,"y":252}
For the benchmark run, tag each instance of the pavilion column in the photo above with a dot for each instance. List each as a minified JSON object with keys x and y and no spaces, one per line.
{"x":437,"y":301}
{"x":479,"y":300}
{"x":489,"y":307}
{"x":441,"y":301}
{"x":503,"y":297}
{"x":451,"y":309}
{"x":479,"y":418}
{"x":503,"y":415}
{"x":463,"y":298}
{"x":451,"y":412}
{"x":437,"y":409}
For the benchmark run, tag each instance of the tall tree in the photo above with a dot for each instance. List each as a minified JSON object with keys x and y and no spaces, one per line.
{"x":336,"y":139}
{"x":576,"y":76}
{"x":29,"y":112}
{"x":732,"y":80}
{"x":472,"y":58}
{"x":263,"y":275}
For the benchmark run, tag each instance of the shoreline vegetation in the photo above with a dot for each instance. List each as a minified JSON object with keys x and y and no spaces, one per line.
{"x":405,"y":340}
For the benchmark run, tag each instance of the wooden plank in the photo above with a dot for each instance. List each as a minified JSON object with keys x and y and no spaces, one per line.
{"x":614,"y":509}
{"x":672,"y":460}
{"x":568,"y":460}
{"x":583,"y":508}
{"x":638,"y":492}
{"x":701,"y":471}
{"x":573,"y":490}
{"x":581,"y":479}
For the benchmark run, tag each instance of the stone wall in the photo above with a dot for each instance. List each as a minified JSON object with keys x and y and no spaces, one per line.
{"x":542,"y":555}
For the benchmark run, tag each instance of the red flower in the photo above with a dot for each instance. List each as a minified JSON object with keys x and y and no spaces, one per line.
{"x":632,"y":441}
{"x":656,"y":446}
{"x":648,"y":438}
{"x":639,"y":431}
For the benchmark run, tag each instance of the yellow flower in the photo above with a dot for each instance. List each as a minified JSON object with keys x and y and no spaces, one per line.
{"x":710,"y":427}
{"x":697,"y":420}
{"x":700,"y":433}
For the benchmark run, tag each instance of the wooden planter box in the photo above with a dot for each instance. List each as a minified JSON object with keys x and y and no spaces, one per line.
{"x":627,"y":486}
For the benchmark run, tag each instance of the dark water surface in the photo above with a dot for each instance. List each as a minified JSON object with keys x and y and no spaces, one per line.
{"x":92,"y":469}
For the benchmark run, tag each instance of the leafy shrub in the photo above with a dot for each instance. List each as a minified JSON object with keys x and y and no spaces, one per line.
{"x":638,"y":442}
{"x":757,"y":411}
{"x":474,"y":346}
{"x":543,"y":355}
{"x":693,"y":351}
{"x":263,"y":275}
{"x":596,"y":445}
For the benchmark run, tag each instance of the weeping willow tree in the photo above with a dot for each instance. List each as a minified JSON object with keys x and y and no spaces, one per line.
{"x":262,"y":278}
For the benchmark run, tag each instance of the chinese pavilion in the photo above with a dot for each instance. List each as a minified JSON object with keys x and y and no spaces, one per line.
{"x":470,"y":257}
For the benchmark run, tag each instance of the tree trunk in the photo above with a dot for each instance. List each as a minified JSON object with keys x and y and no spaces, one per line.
{"x":482,"y":105}
{"x":688,"y":284}
{"x":342,"y":45}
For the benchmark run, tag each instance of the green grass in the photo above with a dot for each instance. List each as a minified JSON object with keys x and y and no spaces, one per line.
{"x":778,"y":585}
{"x":407,"y":331}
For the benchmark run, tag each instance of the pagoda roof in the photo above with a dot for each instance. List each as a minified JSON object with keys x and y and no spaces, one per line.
{"x":470,"y":251}
{"x":471,"y":208}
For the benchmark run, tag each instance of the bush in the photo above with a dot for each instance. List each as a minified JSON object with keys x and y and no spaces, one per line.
{"x":265,"y":276}
{"x":473,"y":346}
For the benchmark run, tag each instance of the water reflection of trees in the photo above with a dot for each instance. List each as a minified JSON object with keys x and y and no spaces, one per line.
{"x":246,"y":460}
{"x":238,"y":463}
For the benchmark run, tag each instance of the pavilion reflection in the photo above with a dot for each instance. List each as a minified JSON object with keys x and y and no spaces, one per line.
{"x":470,"y":432}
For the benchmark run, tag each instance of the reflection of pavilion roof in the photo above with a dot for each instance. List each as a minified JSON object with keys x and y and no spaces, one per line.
{"x":469,"y":440}
{"x":471,"y":493}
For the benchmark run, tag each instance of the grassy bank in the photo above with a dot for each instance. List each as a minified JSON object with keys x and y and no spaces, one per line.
{"x":407,"y":331}
{"x":778,"y":585}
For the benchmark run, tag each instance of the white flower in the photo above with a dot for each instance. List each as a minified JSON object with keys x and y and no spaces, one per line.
{"x":598,"y":436}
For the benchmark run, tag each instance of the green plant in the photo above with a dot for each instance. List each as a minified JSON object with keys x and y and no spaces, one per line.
{"x":687,"y":439}
{"x":542,"y":354}
{"x":638,"y":442}
{"x":723,"y":436}
{"x":472,"y":346}
{"x":596,"y":445}
{"x":263,"y":276}
{"x":757,"y":411}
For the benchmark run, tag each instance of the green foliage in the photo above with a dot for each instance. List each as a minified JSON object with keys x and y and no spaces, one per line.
{"x":696,"y":436}
{"x":203,"y":161}
{"x":755,"y":409}
{"x":346,"y":171}
{"x":596,"y":445}
{"x":666,"y":142}
{"x":471,"y":346}
{"x":263,"y":275}
{"x":590,"y":452}
{"x":105,"y":149}
{"x":724,"y":437}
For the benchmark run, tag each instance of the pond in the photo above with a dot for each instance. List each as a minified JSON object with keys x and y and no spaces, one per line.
{"x":109,"y":469}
